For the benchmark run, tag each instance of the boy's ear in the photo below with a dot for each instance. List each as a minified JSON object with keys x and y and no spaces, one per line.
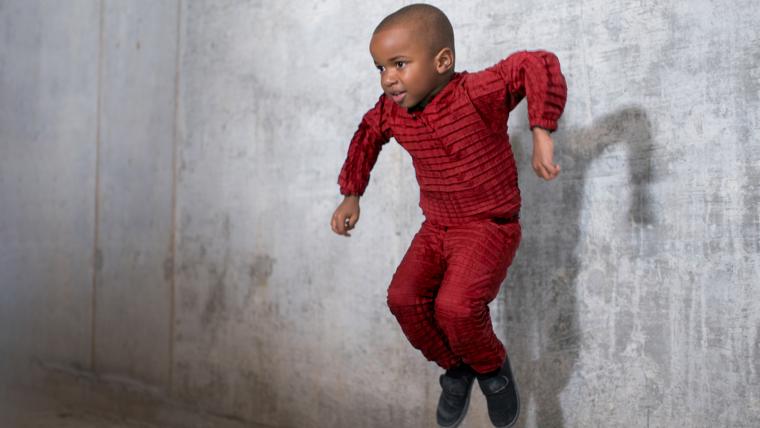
{"x":444,"y":60}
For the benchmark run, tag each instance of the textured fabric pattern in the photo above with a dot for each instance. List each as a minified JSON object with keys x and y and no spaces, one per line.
{"x":467,"y":176}
{"x":458,"y":143}
{"x":441,"y":290}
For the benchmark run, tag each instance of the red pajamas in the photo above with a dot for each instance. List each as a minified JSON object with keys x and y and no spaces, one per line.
{"x":467,"y":176}
{"x":441,"y":290}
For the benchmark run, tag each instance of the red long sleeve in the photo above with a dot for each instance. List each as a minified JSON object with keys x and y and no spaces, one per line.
{"x":532,"y":74}
{"x":459,"y":144}
{"x":363,"y":150}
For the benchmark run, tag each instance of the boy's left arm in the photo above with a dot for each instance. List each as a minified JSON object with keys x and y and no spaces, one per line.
{"x":535,"y":75}
{"x":543,"y":154}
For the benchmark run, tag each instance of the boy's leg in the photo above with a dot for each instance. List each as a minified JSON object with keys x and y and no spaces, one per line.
{"x":411,"y":293}
{"x":478,"y":255}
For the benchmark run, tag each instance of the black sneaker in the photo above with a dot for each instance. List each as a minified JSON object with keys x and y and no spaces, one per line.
{"x":502,"y":397}
{"x":454,"y":400}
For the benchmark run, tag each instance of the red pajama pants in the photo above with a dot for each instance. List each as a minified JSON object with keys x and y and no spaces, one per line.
{"x":441,"y":290}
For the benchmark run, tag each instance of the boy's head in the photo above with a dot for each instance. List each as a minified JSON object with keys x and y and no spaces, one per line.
{"x":414,"y":50}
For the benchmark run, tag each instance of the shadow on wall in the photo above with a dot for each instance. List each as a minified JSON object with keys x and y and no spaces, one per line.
{"x":543,"y":335}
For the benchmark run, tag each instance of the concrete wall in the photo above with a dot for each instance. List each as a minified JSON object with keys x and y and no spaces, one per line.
{"x":168,"y":173}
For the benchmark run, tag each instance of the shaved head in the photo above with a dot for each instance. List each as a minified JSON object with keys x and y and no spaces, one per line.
{"x":427,"y":22}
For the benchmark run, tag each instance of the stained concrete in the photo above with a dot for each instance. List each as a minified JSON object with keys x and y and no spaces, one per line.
{"x":134,"y":204}
{"x":168,"y":173}
{"x":48,"y":104}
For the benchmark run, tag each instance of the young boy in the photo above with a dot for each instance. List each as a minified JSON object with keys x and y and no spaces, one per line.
{"x":454,"y":125}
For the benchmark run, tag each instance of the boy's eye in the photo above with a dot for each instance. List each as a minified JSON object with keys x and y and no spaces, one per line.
{"x":400,"y":64}
{"x":380,"y":68}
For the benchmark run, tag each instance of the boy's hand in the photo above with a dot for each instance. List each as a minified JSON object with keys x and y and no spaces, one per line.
{"x":543,"y":154}
{"x":346,"y":215}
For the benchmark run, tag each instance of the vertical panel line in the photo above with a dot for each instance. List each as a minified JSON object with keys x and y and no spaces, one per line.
{"x":96,"y":256}
{"x":173,"y":231}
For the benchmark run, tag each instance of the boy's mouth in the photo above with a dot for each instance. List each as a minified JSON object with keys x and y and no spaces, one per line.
{"x":398,"y":97}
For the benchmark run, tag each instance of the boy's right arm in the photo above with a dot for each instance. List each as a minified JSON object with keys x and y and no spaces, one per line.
{"x":363,"y":152}
{"x":346,"y":215}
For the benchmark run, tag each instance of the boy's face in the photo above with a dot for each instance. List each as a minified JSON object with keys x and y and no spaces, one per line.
{"x":407,"y":67}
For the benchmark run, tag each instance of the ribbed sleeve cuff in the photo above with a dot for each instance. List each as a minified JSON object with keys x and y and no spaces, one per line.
{"x":346,"y":191}
{"x":549,"y":124}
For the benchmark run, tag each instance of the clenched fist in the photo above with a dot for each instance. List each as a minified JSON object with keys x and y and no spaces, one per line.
{"x":346,"y":215}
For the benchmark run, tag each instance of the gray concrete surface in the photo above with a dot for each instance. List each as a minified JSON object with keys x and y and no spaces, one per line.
{"x":167,"y":174}
{"x":43,"y":412}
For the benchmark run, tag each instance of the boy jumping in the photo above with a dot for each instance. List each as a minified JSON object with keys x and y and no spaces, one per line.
{"x":454,"y":126}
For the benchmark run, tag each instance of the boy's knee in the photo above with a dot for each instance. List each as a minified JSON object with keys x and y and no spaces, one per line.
{"x":458,"y":310}
{"x":407,"y":286}
{"x":399,"y":298}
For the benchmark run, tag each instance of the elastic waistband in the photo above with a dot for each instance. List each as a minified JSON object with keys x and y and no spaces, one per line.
{"x":514,"y":218}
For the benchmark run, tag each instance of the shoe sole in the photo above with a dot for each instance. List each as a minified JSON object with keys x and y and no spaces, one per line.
{"x":464,"y":411}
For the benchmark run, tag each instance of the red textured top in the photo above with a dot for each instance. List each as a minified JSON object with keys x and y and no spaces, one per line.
{"x":459,"y":143}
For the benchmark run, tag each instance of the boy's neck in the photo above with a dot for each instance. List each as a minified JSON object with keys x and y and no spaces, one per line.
{"x":421,"y":105}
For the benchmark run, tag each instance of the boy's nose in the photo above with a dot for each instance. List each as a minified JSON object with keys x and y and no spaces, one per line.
{"x":389,"y":78}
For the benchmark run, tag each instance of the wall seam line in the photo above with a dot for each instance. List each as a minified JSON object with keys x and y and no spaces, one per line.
{"x":96,"y":254}
{"x":173,"y":232}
